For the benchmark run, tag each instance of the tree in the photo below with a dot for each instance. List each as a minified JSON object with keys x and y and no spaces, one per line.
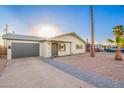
{"x":118,"y":32}
{"x":110,"y":40}
{"x":92,"y":53}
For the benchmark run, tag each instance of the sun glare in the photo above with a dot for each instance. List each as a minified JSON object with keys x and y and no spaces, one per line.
{"x":45,"y":30}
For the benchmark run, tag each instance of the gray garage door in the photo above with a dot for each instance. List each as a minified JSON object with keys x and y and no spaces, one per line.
{"x":20,"y":50}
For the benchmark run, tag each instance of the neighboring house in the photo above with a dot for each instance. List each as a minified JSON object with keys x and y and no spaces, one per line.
{"x":28,"y":46}
{"x":98,"y":47}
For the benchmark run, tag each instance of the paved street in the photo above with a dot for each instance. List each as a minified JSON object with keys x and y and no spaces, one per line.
{"x":33,"y":72}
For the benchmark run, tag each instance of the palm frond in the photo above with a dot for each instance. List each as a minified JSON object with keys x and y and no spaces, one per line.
{"x":110,"y":40}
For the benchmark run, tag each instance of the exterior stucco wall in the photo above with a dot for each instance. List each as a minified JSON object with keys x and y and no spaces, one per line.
{"x":9,"y":50}
{"x":9,"y":43}
{"x":67,"y":50}
{"x":75,"y":41}
{"x":45,"y":49}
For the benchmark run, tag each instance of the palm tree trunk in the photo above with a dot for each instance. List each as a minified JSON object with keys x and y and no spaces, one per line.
{"x":118,"y":53}
{"x":92,"y":53}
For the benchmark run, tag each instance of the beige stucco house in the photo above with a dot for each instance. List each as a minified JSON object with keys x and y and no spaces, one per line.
{"x":28,"y":46}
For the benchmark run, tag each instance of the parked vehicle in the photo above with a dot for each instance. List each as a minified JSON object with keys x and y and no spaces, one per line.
{"x":113,"y":49}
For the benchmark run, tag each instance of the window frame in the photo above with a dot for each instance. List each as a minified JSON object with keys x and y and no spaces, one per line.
{"x":79,"y":46}
{"x":62,"y":45}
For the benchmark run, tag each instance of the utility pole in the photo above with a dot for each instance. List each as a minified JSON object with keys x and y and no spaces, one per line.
{"x":87,"y":41}
{"x":92,"y":51}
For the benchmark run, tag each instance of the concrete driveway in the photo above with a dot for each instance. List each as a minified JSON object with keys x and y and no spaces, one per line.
{"x":3,"y":63}
{"x":33,"y":72}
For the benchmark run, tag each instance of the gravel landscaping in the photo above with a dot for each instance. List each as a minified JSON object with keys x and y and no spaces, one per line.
{"x":89,"y":77}
{"x":102,"y":64}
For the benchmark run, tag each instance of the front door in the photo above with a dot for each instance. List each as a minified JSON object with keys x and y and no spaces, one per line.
{"x":54,"y":49}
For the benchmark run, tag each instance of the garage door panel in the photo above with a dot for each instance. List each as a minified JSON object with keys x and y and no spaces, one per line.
{"x":24,"y":50}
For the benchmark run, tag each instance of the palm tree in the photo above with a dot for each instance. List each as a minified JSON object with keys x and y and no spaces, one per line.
{"x":110,"y":40}
{"x":92,"y":53}
{"x":118,"y":32}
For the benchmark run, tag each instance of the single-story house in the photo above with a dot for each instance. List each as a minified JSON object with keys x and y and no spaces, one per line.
{"x":28,"y":46}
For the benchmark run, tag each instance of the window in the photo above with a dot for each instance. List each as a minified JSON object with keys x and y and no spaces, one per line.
{"x":62,"y":47}
{"x":79,"y":46}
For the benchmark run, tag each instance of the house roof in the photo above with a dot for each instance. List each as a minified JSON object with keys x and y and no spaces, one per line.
{"x":73,"y":34}
{"x":35,"y":38}
{"x":22,"y":37}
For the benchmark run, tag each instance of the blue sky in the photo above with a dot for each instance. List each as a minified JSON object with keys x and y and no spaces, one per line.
{"x":67,"y":18}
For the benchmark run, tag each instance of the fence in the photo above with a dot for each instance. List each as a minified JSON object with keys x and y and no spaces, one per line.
{"x":3,"y":50}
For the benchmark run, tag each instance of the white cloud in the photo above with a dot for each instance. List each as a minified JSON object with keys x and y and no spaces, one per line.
{"x":45,"y":30}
